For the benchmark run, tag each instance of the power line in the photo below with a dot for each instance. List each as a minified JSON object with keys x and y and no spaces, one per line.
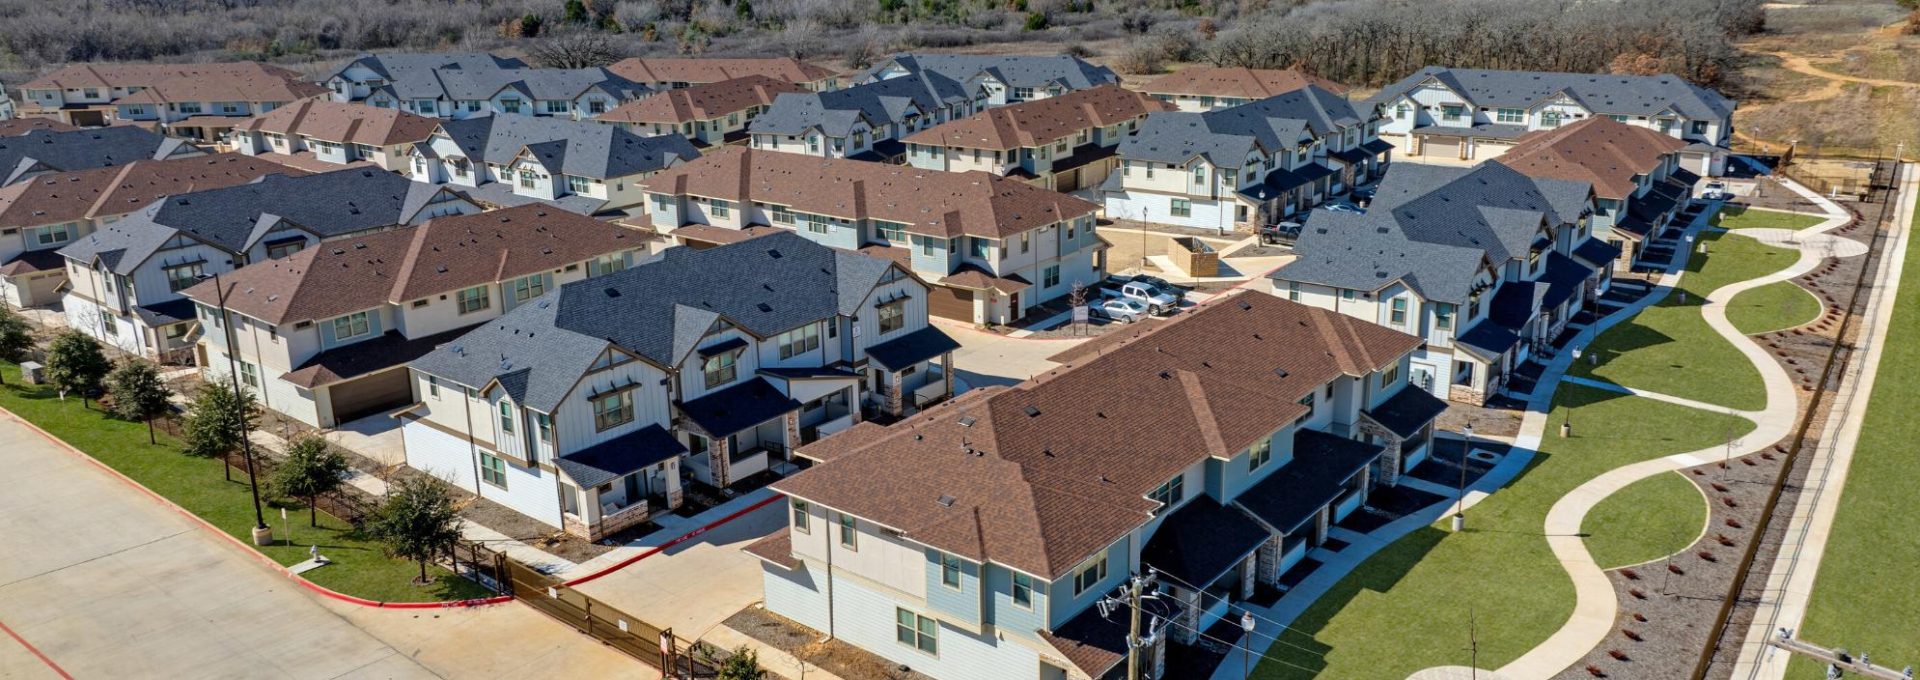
{"x":1272,"y":637}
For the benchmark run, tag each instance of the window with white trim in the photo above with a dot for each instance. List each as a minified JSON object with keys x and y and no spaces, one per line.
{"x":1089,"y":574}
{"x":351,"y":326}
{"x":493,"y":470}
{"x":916,"y":631}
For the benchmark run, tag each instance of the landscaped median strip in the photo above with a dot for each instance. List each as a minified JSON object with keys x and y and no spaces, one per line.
{"x":360,"y":572}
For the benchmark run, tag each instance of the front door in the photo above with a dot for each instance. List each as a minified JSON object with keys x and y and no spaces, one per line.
{"x":1013,"y":306}
{"x":633,"y":490}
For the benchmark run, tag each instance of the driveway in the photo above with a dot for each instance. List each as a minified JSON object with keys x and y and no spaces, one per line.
{"x":105,"y":581}
{"x":697,"y":584}
{"x":376,"y":436}
{"x":992,"y":359}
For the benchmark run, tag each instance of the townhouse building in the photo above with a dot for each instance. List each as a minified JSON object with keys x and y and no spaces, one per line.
{"x":40,"y":216}
{"x":1639,"y":182}
{"x":6,"y":106}
{"x":708,"y":114}
{"x":14,"y":127}
{"x":323,"y":336}
{"x":866,"y":121}
{"x":578,"y":165}
{"x":667,"y":73}
{"x":1461,"y":116}
{"x":322,"y":135}
{"x":1061,"y":143}
{"x":196,"y":101}
{"x":1005,"y":78}
{"x":125,"y":279}
{"x":41,"y":151}
{"x":991,"y":247}
{"x":1486,"y":265}
{"x":1201,"y":88}
{"x":460,"y":86}
{"x":587,"y":407}
{"x":1242,"y":167}
{"x":975,"y":541}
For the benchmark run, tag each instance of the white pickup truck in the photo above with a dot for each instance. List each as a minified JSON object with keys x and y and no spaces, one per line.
{"x":1157,"y":301}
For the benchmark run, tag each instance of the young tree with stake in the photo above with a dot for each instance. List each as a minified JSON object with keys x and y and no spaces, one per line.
{"x":76,"y":364}
{"x":16,"y":337}
{"x":417,"y":522}
{"x":139,"y":393}
{"x":313,"y":468}
{"x":217,"y":420}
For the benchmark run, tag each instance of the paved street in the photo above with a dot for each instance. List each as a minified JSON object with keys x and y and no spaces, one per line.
{"x":106,"y":581}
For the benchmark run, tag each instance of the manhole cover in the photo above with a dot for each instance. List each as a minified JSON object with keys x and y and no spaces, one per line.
{"x":1483,"y":456}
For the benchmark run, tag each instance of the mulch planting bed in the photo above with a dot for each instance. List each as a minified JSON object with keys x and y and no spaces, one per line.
{"x":836,"y":657}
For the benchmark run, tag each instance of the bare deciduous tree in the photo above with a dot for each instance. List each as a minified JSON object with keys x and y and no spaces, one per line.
{"x":575,"y":49}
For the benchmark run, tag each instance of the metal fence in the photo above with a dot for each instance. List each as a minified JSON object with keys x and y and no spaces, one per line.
{"x":654,"y":646}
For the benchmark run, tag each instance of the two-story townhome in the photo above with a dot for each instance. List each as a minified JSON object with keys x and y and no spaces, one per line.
{"x":37,"y":152}
{"x":578,"y":165}
{"x":1006,"y":78}
{"x":1201,"y":88}
{"x":188,"y":100}
{"x":709,"y":114}
{"x":323,"y":336}
{"x":1448,"y":115}
{"x":1241,"y":167}
{"x":6,"y":106}
{"x":40,"y":216}
{"x":1061,"y":143}
{"x":320,"y":134}
{"x":1486,"y":265}
{"x":124,"y":279}
{"x":1638,"y":180}
{"x":993,"y":247}
{"x":585,"y":408}
{"x":462,"y":86}
{"x":975,"y":542}
{"x":666,"y":73}
{"x":866,"y":121}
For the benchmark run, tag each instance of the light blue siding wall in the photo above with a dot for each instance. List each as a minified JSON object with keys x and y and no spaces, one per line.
{"x":937,"y":262}
{"x":799,"y":594}
{"x":962,"y":603}
{"x":865,"y":618}
{"x":1012,"y":618}
{"x":838,"y":234}
{"x":1066,"y":605}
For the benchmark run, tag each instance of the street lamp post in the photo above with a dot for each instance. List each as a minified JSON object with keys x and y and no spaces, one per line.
{"x":1460,"y":500}
{"x":1246,"y":643}
{"x":262,"y":534}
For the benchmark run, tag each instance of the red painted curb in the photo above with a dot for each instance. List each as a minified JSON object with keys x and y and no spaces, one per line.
{"x":276,"y":566}
{"x":650,"y":552}
{"x":35,"y":651}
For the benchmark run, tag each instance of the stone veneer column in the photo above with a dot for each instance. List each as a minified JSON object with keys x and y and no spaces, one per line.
{"x":1320,"y":524}
{"x":1267,"y":562}
{"x":792,"y":422}
{"x":896,"y":396}
{"x":718,"y":461}
{"x":946,"y":369}
{"x":1188,"y":631}
{"x":1247,"y":568}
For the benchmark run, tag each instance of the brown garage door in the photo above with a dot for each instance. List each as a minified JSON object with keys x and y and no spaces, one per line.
{"x":1067,"y":181}
{"x":1440,"y":147}
{"x":371,"y":394}
{"x":950,"y":303}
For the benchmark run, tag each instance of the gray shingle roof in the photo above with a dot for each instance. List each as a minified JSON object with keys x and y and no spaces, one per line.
{"x":1225,"y":136}
{"x":53,"y":150}
{"x":1015,"y":70}
{"x":1432,"y":226}
{"x":573,"y":147}
{"x":1601,"y":93}
{"x":659,"y":310}
{"x":234,"y":218}
{"x":880,"y":103}
{"x":456,"y":77}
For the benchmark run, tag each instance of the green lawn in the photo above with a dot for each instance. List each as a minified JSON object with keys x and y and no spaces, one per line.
{"x":1670,"y":349}
{"x":1406,"y":608}
{"x":1650,"y":519}
{"x":359,"y":567}
{"x":1743,"y":217}
{"x":1864,"y":598}
{"x":1776,"y":306}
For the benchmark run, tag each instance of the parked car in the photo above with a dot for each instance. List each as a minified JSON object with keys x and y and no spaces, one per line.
{"x":1346,"y":208}
{"x":1362,"y":196}
{"x":1144,"y":293}
{"x":1118,"y":309}
{"x":1716,"y":191}
{"x":1282,"y":233}
{"x":1161,"y":285}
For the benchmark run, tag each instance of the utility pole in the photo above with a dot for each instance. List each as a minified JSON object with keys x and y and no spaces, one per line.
{"x":1133,"y":628}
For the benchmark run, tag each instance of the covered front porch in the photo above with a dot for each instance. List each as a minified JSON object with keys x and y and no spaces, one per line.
{"x":1206,"y":555}
{"x":1327,"y":480}
{"x":905,"y":375}
{"x":1403,"y":423}
{"x":739,"y":431}
{"x":619,"y":483}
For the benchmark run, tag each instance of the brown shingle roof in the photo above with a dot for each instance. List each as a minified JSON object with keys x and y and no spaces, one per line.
{"x":695,"y":70}
{"x":1246,"y":83}
{"x":332,"y":121}
{"x":930,"y":202}
{"x":706,"y":101}
{"x":391,"y":267}
{"x":1041,"y":475}
{"x":21,"y":126}
{"x":105,"y":192}
{"x":243,"y":81}
{"x":1041,"y":121}
{"x":1599,"y":151}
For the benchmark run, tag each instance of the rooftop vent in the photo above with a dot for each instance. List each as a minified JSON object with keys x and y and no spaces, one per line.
{"x":1033,"y":412}
{"x":968,"y":421}
{"x":946,"y":501}
{"x":613,"y":292}
{"x":1280,"y":372}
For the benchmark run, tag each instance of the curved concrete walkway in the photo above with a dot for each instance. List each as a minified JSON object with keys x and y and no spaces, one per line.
{"x":1597,"y":605}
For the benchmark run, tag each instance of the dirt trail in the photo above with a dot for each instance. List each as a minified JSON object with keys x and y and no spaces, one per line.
{"x":1799,"y":64}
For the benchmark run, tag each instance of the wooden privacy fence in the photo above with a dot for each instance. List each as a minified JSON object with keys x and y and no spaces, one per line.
{"x":650,"y":644}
